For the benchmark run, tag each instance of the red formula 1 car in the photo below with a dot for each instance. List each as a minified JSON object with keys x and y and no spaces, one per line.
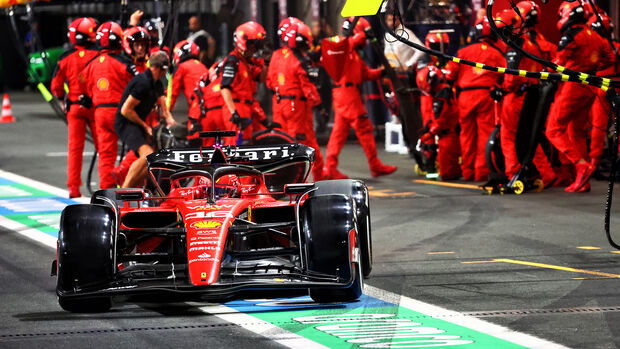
{"x":220,"y":222}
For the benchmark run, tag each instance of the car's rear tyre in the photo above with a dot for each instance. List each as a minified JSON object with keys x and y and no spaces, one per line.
{"x":85,"y":255}
{"x":357,"y":190}
{"x":328,"y":221}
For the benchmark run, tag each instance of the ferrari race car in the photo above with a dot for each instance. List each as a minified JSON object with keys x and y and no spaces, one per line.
{"x":217,"y":223}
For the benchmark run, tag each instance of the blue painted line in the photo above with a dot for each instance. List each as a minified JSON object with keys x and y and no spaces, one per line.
{"x":34,"y":205}
{"x":302,"y":303}
{"x":4,"y":181}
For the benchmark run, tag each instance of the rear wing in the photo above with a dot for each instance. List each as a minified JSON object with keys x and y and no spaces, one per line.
{"x":281,"y":164}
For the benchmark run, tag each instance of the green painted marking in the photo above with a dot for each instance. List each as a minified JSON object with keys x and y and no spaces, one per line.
{"x":45,"y":222}
{"x":382,"y":327}
{"x":20,"y":191}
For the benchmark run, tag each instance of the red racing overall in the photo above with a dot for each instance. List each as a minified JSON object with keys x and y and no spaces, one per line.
{"x":350,"y":112}
{"x":295,"y":96}
{"x":79,"y":112}
{"x":580,"y":49}
{"x":186,"y":77}
{"x":239,"y":75}
{"x":106,"y":77}
{"x":515,"y":90}
{"x":476,"y":108}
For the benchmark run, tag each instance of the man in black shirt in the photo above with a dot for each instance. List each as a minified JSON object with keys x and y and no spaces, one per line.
{"x":140,"y":96}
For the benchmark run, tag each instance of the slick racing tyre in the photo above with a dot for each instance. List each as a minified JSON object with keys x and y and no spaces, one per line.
{"x":85,"y":256}
{"x":357,"y":190}
{"x":329,"y":231}
{"x":493,"y":152}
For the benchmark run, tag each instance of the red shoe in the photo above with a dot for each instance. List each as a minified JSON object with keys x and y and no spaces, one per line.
{"x":382,"y":170}
{"x":549,"y":180}
{"x":74,"y":193}
{"x":584,"y":171}
{"x":119,"y":175}
{"x":333,"y":173}
{"x":583,"y":189}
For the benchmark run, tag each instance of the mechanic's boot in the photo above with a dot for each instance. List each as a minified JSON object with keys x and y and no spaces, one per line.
{"x":549,"y":178}
{"x":382,"y":170}
{"x":333,"y":173}
{"x":74,"y":193}
{"x":120,"y":172}
{"x":584,"y":171}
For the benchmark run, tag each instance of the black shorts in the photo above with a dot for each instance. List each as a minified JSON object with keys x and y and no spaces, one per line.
{"x":132,"y":135}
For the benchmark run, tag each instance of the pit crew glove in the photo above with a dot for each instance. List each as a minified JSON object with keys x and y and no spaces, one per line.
{"x":241,"y":122}
{"x":497,"y":94}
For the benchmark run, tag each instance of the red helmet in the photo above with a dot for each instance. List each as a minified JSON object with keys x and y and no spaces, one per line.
{"x":133,"y":35}
{"x":529,"y":11}
{"x":570,"y":13}
{"x":185,"y":50}
{"x":429,"y":77}
{"x":110,"y":36}
{"x":588,"y":10}
{"x":249,"y":35}
{"x":299,"y":36}
{"x":509,"y":20}
{"x":285,"y":25}
{"x":82,"y":31}
{"x":437,"y":41}
{"x":482,"y":28}
{"x":604,"y":27}
{"x":151,"y":27}
{"x":361,"y":27}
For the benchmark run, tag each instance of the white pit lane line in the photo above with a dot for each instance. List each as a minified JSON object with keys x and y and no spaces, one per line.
{"x":278,"y":334}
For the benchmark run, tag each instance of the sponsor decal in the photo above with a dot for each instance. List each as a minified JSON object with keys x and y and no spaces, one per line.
{"x":251,"y":154}
{"x":203,"y":248}
{"x":331,"y":53}
{"x":210,"y":208}
{"x":213,"y":214}
{"x":206,"y":224}
{"x":103,"y":84}
{"x":203,"y":260}
{"x":205,"y":238}
{"x":207,"y":232}
{"x":204,"y":242}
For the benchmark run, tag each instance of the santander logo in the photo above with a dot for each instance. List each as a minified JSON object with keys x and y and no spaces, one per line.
{"x":331,"y":53}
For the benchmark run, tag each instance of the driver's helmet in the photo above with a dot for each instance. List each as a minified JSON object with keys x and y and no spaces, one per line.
{"x":227,"y":186}
{"x":203,"y":188}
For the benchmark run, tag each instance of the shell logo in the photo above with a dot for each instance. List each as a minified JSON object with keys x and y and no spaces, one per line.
{"x":484,"y":47}
{"x":216,"y":88}
{"x":81,"y":54}
{"x":101,"y":59}
{"x":103,"y":84}
{"x":245,"y":74}
{"x":280,"y":78}
{"x":594,"y":57}
{"x":206,"y":224}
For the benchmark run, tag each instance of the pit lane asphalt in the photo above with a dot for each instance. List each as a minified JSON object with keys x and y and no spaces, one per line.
{"x":501,"y":258}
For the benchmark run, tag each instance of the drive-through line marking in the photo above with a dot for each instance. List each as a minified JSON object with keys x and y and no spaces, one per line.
{"x":388,"y":320}
{"x":546,"y":266}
